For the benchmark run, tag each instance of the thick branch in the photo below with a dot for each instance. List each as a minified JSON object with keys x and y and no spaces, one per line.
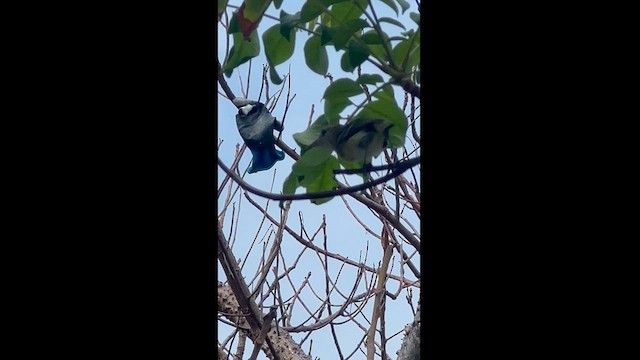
{"x":285,"y":346}
{"x":240,"y":289}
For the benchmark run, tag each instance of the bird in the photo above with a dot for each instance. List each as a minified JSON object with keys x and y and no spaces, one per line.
{"x":359,"y":140}
{"x":256,"y":124}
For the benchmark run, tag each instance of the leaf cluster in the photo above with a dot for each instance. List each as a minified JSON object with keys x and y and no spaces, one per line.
{"x":352,"y":28}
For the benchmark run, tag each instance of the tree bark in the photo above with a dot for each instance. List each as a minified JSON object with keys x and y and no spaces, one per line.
{"x":282,"y":341}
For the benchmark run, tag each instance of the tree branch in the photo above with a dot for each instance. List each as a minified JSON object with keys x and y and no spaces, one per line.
{"x":399,"y":169}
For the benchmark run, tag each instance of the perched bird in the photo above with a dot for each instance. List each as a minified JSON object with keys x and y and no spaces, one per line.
{"x":359,"y":140}
{"x":256,"y":126}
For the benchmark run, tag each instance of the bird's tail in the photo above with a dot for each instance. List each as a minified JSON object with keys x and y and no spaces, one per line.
{"x":264,"y":159}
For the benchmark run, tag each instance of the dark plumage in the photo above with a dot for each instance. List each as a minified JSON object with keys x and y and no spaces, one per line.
{"x":256,"y":126}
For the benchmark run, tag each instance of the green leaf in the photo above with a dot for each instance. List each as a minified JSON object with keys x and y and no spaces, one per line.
{"x":273,"y":75}
{"x":389,"y":110}
{"x":415,"y":17}
{"x":372,"y":37}
{"x":308,"y":163}
{"x":404,"y":5}
{"x":378,"y":51}
{"x":313,"y":8}
{"x":342,"y":34}
{"x":253,"y":9}
{"x":315,"y":55}
{"x":241,"y":51}
{"x":391,"y":21}
{"x":369,"y":79}
{"x":342,"y":88}
{"x":311,"y":134}
{"x":325,"y":19}
{"x":325,"y":35}
{"x":345,"y":11}
{"x":337,"y":97}
{"x":402,"y":50}
{"x":277,"y":48}
{"x":310,"y":11}
{"x":358,"y":53}
{"x":234,"y":25}
{"x":386,"y":93}
{"x":391,"y":5}
{"x":312,"y":23}
{"x":315,"y":171}
{"x":290,"y":184}
{"x":333,"y":108}
{"x":222,"y":4}
{"x":277,"y":3}
{"x":345,"y":62}
{"x":288,"y":22}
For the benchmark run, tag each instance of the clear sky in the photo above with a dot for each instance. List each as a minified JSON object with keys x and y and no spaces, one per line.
{"x":344,"y":234}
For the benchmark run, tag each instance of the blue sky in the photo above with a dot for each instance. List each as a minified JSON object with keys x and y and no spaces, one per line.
{"x":344,"y":234}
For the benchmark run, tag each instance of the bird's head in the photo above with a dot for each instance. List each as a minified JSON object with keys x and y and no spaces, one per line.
{"x":245,"y":105}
